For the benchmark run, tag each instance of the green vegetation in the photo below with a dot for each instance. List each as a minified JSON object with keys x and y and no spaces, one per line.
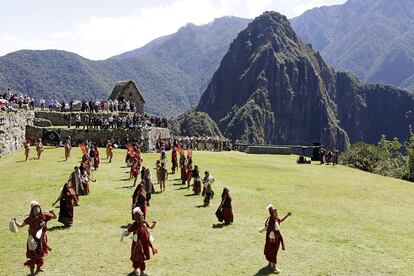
{"x":389,"y":158}
{"x":172,"y":72}
{"x":344,"y":221}
{"x":193,"y":123}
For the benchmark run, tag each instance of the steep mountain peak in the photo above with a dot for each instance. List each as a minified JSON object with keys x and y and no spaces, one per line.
{"x":272,"y":24}
{"x":272,"y":88}
{"x":267,"y":84}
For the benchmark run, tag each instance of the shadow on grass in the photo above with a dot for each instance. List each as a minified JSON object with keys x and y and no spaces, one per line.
{"x":157,"y":192}
{"x":177,"y":184}
{"x":191,"y":195}
{"x":125,"y":187}
{"x":57,"y":228}
{"x":182,"y":188}
{"x":200,"y":206}
{"x":218,"y":225}
{"x":125,"y":226}
{"x":264,"y":271}
{"x":21,"y":161}
{"x":126,"y":179}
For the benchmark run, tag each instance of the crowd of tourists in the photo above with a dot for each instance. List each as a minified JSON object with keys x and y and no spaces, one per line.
{"x":77,"y":185}
{"x":93,"y":106}
{"x":137,"y":120}
{"x":12,"y":101}
{"x":205,"y":143}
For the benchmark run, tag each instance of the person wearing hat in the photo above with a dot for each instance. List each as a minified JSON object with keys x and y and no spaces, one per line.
{"x":141,"y":241}
{"x":273,"y":237}
{"x":37,"y":247}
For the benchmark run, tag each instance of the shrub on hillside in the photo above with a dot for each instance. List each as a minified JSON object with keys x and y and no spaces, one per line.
{"x":365,"y":157}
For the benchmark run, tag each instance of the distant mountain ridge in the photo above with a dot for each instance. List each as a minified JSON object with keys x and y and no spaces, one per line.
{"x":374,"y":39}
{"x":271,"y":88}
{"x":172,"y":71}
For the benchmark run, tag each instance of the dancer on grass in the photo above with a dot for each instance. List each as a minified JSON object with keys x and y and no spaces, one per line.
{"x":141,"y":242}
{"x":26,"y":145}
{"x":197,"y":180}
{"x":162,"y":175}
{"x":174,"y":162}
{"x":148,"y":185}
{"x":68,"y":148}
{"x":208,"y":192}
{"x":139,"y":199}
{"x":273,"y":237}
{"x":67,"y":200}
{"x":136,"y":166}
{"x":39,"y":147}
{"x":109,"y":152}
{"x":225,"y":211}
{"x":37,"y":247}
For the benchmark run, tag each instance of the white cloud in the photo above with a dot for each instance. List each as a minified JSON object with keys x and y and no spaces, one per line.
{"x":100,"y":37}
{"x":11,"y":43}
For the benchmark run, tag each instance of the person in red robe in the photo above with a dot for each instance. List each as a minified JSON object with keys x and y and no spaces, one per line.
{"x":67,"y":200}
{"x":38,"y":248}
{"x":141,"y":241}
{"x":197,"y":180}
{"x":225,"y":211}
{"x":183,"y":166}
{"x":174,"y":161}
{"x":135,"y":168}
{"x":273,"y":237}
{"x":96,"y":157}
{"x":139,"y":199}
{"x":189,"y":174}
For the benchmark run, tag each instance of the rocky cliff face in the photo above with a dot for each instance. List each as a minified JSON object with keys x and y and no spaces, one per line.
{"x":272,"y":88}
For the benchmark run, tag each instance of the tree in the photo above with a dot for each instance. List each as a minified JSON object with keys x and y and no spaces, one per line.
{"x":409,"y":146}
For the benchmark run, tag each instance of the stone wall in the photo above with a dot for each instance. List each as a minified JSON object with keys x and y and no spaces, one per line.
{"x":12,"y":129}
{"x":269,"y":150}
{"x":60,"y":118}
{"x":100,"y":136}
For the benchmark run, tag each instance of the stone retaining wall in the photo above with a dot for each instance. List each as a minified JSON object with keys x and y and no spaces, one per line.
{"x":269,"y":150}
{"x":100,"y":136}
{"x":12,"y":129}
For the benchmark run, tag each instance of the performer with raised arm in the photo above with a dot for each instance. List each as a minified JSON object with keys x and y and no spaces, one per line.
{"x":37,"y":247}
{"x":273,"y":237}
{"x":141,"y":241}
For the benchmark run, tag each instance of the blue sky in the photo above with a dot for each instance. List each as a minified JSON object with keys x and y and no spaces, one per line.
{"x":98,"y":29}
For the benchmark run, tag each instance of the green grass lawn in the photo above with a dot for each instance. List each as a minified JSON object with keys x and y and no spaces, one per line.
{"x":344,"y":221}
